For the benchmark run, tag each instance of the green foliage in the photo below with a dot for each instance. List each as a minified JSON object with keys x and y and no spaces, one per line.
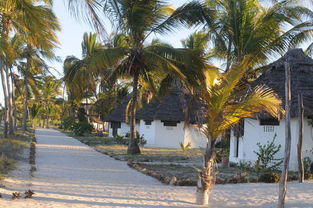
{"x":245,"y":165}
{"x":140,"y":139}
{"x":81,"y":115}
{"x":307,"y":163}
{"x":82,"y":128}
{"x":186,"y":147}
{"x":266,"y":156}
{"x":68,"y":123}
{"x":270,"y":177}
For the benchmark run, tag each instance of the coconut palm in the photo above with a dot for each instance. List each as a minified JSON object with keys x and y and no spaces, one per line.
{"x":33,"y":20}
{"x":138,"y":20}
{"x":80,"y":81}
{"x":237,"y":28}
{"x":227,"y":102}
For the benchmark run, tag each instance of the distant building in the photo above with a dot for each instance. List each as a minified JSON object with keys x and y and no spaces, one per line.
{"x":162,"y":123}
{"x":118,"y":124}
{"x":262,"y":129}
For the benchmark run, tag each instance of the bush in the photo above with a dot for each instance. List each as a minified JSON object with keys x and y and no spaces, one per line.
{"x":245,"y":165}
{"x":269,"y":178}
{"x":121,"y":140}
{"x":68,"y":123}
{"x":307,"y":163}
{"x":82,"y":128}
{"x":308,"y":176}
{"x":140,"y":139}
{"x":266,"y":156}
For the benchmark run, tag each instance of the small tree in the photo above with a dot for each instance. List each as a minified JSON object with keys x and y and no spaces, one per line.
{"x":227,"y":102}
{"x":266,"y":156}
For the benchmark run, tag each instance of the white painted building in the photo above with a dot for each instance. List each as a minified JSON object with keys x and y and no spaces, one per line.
{"x":253,"y":131}
{"x":117,"y":124}
{"x":162,"y":123}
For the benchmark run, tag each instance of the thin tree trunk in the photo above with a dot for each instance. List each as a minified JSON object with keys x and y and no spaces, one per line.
{"x":133,"y":147}
{"x":5,"y":94}
{"x":284,"y":176}
{"x":206,"y":176}
{"x":25,"y":116}
{"x":13,"y":98}
{"x":300,"y":142}
{"x":10,"y":99}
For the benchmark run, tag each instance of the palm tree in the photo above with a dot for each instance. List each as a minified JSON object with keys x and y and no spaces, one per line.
{"x":33,"y":20}
{"x":79,"y":79}
{"x":138,"y":20}
{"x":237,"y":28}
{"x":227,"y":102}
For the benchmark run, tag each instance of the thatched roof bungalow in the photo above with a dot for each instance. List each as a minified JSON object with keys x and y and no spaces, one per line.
{"x":264,"y":128}
{"x":162,"y":122}
{"x":118,"y":124}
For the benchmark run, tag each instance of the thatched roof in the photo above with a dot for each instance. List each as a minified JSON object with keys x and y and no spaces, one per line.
{"x":173,"y":107}
{"x":301,"y":79}
{"x":119,"y":113}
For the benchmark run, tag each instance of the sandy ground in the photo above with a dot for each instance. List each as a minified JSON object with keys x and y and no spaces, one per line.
{"x":72,"y":175}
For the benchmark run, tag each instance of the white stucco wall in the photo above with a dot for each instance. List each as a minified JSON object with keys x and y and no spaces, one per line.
{"x":168,"y":136}
{"x":125,"y":128}
{"x":148,"y":132}
{"x":194,"y":135}
{"x":254,"y":133}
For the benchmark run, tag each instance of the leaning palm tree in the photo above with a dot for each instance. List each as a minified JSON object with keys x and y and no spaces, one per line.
{"x":138,"y":20}
{"x":227,"y":101}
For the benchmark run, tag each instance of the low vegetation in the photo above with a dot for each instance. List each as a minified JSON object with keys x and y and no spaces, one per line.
{"x":11,"y":150}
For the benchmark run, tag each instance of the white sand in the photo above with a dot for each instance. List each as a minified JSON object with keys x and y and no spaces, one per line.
{"x":70,"y":174}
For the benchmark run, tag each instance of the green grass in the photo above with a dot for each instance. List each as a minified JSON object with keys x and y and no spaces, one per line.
{"x":152,"y":154}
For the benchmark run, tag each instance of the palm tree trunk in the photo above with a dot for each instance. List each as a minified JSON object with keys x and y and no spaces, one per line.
{"x":25,"y":116}
{"x":284,"y":175}
{"x":5,"y":93}
{"x":206,"y":176}
{"x":300,"y":142}
{"x":10,"y":99}
{"x":13,"y":98}
{"x":133,"y":147}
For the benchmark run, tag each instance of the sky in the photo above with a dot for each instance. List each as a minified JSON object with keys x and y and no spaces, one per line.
{"x":72,"y":31}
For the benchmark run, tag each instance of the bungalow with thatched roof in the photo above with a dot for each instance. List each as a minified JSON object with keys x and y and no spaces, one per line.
{"x":118,"y":124}
{"x":162,"y":123}
{"x":264,"y":128}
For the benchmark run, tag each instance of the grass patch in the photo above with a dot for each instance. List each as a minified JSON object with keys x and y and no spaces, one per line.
{"x":152,"y":154}
{"x":11,"y":149}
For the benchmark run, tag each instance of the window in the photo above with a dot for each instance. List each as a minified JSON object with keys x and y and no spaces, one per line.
{"x":269,"y":122}
{"x":236,"y":147}
{"x":148,"y":122}
{"x":170,"y":123}
{"x":268,"y":128}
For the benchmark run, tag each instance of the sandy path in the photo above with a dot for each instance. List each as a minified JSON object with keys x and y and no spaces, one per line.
{"x":70,"y":174}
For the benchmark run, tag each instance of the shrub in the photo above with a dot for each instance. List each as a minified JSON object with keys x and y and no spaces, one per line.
{"x":68,"y":123}
{"x":186,"y":147}
{"x":121,"y":140}
{"x":266,"y":156}
{"x":270,"y":177}
{"x":307,"y":164}
{"x":82,"y":128}
{"x":140,"y":139}
{"x":245,"y":165}
{"x":308,"y":176}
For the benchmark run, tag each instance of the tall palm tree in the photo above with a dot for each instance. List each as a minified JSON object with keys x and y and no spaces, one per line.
{"x":227,"y":102}
{"x":237,"y":28}
{"x":33,"y":20}
{"x":138,"y":20}
{"x":79,"y":79}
